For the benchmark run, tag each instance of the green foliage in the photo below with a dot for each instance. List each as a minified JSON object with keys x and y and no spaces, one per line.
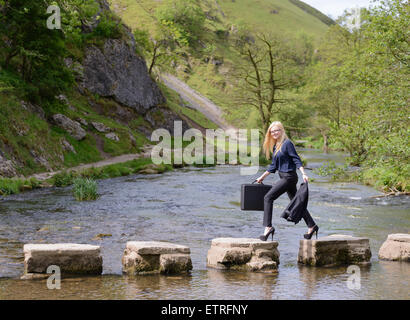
{"x":85,"y":189}
{"x":63,"y":178}
{"x":183,"y":18}
{"x":31,"y":48}
{"x":109,"y":26}
{"x":359,"y":86}
{"x":330,"y":169}
{"x":14,"y":186}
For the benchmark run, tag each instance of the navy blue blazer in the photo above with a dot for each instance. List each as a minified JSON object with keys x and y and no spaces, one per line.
{"x":297,"y":208}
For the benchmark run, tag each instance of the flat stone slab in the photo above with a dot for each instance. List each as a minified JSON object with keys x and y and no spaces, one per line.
{"x":335,"y":250}
{"x":243,"y":254}
{"x":156,"y":247}
{"x":142,"y":257}
{"x":71,"y":258}
{"x":396,"y":248}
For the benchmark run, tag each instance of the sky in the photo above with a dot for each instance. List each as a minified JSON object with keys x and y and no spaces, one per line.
{"x":335,"y":8}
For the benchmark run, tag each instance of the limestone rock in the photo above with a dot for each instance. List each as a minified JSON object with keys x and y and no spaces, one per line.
{"x":7,"y":168}
{"x":82,"y":121}
{"x":34,"y":109}
{"x":117,"y":71}
{"x":112,"y":136}
{"x":335,"y":250}
{"x":396,"y":248}
{"x":72,"y":127}
{"x":70,"y":257}
{"x":175,"y":263}
{"x":142,"y":257}
{"x":100,"y":127}
{"x":243,"y":254}
{"x":67,"y":146}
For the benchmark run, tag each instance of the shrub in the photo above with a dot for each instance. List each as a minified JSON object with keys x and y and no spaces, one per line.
{"x":63,"y":179}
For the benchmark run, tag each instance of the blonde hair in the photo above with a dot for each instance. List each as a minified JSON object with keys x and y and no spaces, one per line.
{"x":270,"y":142}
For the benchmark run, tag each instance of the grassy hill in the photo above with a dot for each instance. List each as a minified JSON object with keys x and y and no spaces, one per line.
{"x":210,"y":67}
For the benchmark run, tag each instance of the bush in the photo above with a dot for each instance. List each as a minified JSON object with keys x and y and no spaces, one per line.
{"x":85,"y":189}
{"x":330,"y":169}
{"x":14,"y":186}
{"x":184,"y":19}
{"x":63,"y":179}
{"x":109,"y":26}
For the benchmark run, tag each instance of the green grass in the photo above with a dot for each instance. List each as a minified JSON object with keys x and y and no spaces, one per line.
{"x":173,"y":102}
{"x":85,"y":189}
{"x":14,"y":186}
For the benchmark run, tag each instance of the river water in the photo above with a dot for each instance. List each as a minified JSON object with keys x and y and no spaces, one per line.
{"x":192,"y":206}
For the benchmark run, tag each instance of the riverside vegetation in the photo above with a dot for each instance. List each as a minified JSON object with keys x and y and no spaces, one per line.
{"x":339,"y":89}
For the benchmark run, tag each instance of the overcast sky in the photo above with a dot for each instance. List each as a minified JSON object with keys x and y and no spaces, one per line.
{"x":335,"y":8}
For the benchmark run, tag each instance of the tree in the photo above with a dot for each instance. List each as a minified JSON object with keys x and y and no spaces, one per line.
{"x":183,"y":18}
{"x":266,"y":72}
{"x":158,"y":49}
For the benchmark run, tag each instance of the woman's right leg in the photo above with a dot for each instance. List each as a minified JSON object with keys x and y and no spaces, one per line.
{"x":275,"y":192}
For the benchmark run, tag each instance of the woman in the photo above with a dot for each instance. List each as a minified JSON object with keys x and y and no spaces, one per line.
{"x":285,"y":160}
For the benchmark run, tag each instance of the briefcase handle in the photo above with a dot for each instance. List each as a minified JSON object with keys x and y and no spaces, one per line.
{"x":256,"y":180}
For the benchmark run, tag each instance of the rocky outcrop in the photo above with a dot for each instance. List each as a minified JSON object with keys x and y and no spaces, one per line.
{"x":335,"y":250}
{"x":7,"y":168}
{"x":144,"y":257}
{"x":67,"y":146}
{"x":112,"y":136}
{"x":71,"y":126}
{"x":116,"y":71}
{"x":243,"y":254}
{"x":396,"y":248}
{"x":100,"y":127}
{"x":71,"y":258}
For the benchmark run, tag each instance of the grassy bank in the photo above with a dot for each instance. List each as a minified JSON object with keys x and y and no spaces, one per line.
{"x":384,"y":179}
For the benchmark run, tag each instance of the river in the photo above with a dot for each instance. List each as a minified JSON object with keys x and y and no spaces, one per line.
{"x":192,"y":206}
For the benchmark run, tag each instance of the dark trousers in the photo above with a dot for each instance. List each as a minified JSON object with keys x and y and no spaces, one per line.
{"x":287,"y":183}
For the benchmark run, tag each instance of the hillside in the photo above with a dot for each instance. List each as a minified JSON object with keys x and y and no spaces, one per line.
{"x":211,"y":64}
{"x":92,"y":100}
{"x":111,"y":105}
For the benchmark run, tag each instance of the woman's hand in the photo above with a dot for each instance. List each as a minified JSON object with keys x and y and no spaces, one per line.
{"x":260,"y":179}
{"x":305,"y":177}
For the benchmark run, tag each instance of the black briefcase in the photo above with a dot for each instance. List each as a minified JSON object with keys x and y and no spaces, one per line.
{"x":252,"y":195}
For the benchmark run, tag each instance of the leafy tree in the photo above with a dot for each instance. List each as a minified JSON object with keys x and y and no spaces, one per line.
{"x":268,"y":70}
{"x":184,"y":19}
{"x":359,"y":86}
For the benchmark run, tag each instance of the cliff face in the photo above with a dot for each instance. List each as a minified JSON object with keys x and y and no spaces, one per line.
{"x":116,"y":71}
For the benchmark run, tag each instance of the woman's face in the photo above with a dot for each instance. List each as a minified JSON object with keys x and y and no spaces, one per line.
{"x":275,"y":132}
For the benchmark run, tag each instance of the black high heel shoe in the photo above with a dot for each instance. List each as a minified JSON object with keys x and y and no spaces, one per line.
{"x":264,"y":237}
{"x":309,"y":235}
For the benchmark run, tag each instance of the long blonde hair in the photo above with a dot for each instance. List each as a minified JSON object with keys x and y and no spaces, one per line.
{"x":270,"y":142}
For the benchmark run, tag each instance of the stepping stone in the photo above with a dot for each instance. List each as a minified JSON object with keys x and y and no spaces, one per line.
{"x":396,"y":248}
{"x":335,"y":250}
{"x":144,"y":257}
{"x":243,"y":254}
{"x":71,"y":258}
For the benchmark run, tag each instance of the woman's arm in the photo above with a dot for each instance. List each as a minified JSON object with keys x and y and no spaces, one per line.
{"x":265,"y":174}
{"x":305,"y":177}
{"x":296,"y":159}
